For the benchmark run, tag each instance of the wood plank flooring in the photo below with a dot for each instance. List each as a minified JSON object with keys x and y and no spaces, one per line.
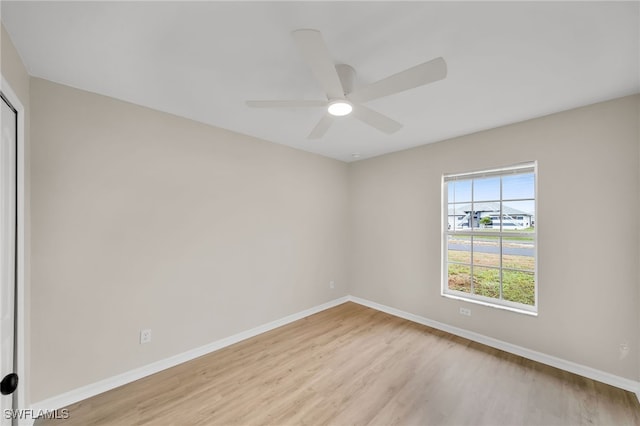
{"x":351,"y":365}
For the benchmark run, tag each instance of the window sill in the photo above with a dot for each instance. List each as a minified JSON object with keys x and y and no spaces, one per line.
{"x":489,"y":304}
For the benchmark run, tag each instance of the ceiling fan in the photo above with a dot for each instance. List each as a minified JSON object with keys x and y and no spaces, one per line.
{"x":337,"y":82}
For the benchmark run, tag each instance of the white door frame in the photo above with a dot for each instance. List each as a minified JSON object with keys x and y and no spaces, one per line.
{"x":20,"y":241}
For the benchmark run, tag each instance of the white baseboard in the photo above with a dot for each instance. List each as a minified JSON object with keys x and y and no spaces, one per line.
{"x":93,"y":389}
{"x":572,"y":367}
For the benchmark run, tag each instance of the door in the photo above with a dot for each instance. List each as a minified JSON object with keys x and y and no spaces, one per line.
{"x":8,"y":383}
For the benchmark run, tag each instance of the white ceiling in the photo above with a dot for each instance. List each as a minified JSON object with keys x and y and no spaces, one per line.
{"x":507,"y":62}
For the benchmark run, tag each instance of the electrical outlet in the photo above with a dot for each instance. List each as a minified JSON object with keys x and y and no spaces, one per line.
{"x":332,"y":284}
{"x":145,"y":336}
{"x":465,"y":311}
{"x":624,"y":350}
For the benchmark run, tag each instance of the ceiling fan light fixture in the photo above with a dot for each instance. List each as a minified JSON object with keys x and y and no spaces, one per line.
{"x":340,"y":108}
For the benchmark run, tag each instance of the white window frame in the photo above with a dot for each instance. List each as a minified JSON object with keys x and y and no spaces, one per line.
{"x":475,"y":298}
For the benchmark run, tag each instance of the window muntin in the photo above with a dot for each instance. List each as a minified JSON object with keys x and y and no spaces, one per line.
{"x":489,"y":244}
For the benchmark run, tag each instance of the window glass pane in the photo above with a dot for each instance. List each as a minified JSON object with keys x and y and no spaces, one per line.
{"x":459,"y":277}
{"x":487,"y":189}
{"x":486,"y":213}
{"x":461,"y":191}
{"x":459,"y":249}
{"x":486,"y":251}
{"x":518,"y":216}
{"x":471,"y":219}
{"x":518,"y":286}
{"x":518,"y":186}
{"x":458,"y":218}
{"x":486,"y":281}
{"x":518,"y":253}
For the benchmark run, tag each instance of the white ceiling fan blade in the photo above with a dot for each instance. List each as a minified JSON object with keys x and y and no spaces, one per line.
{"x":419,"y":75}
{"x":321,"y":128}
{"x":375,"y":119}
{"x":286,"y":104}
{"x":317,"y":56}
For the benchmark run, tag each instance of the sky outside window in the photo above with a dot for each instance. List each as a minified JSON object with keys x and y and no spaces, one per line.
{"x":514,"y":187}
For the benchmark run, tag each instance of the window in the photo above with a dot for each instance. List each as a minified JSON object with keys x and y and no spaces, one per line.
{"x":489,"y":237}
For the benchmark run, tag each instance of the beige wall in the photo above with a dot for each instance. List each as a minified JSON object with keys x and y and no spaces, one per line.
{"x":15,"y":74}
{"x":145,"y":220}
{"x":588,"y":203}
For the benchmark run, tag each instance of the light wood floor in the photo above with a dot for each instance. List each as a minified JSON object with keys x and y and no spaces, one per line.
{"x":351,"y":365}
